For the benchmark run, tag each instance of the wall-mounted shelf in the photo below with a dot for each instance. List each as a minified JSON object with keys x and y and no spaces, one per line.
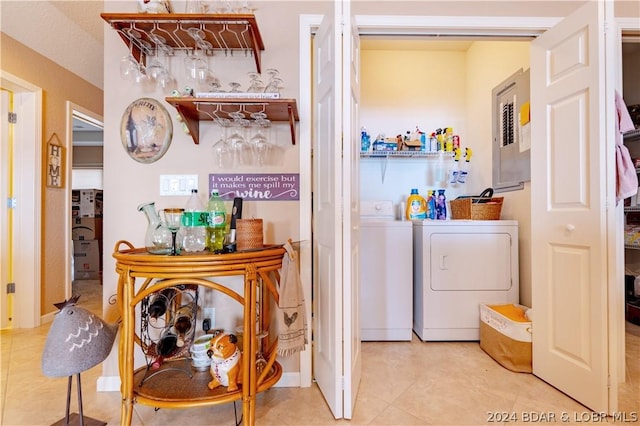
{"x":194,"y":110}
{"x":145,"y":34}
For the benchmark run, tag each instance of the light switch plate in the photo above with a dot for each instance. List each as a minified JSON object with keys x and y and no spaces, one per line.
{"x":171,"y":185}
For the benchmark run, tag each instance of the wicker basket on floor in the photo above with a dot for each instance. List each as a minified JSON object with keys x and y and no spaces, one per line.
{"x":471,"y":208}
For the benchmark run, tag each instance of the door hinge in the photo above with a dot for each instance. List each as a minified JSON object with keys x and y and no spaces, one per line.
{"x":12,"y":118}
{"x":11,"y":288}
{"x":11,"y":203}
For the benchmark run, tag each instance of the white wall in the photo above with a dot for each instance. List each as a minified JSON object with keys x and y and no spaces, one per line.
{"x":402,"y":89}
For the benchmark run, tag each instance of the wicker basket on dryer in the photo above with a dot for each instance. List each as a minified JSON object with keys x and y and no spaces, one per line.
{"x":482,"y":207}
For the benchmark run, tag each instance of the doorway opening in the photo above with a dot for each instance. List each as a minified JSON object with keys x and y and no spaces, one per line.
{"x":85,"y":177}
{"x":385,"y":23}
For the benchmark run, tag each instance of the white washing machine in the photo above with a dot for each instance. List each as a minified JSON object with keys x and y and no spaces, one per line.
{"x":458,"y":265}
{"x":386,"y":273}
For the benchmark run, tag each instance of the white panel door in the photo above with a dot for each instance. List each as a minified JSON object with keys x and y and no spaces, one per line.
{"x":570,"y":204}
{"x":327,"y":214}
{"x":351,"y":216}
{"x":337,"y":354}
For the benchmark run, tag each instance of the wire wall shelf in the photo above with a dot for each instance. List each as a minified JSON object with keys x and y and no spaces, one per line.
{"x":403,"y":154}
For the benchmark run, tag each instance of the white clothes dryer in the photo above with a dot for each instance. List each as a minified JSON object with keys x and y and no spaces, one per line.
{"x":458,"y":265}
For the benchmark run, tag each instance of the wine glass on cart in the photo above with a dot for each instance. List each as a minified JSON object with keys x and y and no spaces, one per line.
{"x":172,"y":217}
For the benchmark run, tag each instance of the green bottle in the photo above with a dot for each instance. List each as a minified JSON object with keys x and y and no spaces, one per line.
{"x":217,"y":226}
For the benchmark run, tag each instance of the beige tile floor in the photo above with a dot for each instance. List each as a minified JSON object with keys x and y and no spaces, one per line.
{"x":408,"y":383}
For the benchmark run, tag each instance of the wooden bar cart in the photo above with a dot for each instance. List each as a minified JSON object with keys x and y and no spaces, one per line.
{"x":141,"y":274}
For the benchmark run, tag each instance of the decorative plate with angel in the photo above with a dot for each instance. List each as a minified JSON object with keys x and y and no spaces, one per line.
{"x":146,"y":130}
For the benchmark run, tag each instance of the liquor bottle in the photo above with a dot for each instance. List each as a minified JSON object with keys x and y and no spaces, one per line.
{"x":217,"y":226}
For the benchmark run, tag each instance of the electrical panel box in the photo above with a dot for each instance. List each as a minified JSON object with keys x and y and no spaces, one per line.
{"x":511,"y":133}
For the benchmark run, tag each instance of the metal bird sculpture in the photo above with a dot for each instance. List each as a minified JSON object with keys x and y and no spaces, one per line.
{"x":77,"y":340}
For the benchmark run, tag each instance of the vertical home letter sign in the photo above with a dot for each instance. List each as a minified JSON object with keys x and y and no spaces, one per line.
{"x":55,"y":161}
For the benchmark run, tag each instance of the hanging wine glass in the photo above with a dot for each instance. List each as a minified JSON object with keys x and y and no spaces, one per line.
{"x":222,"y":149}
{"x":242,"y":155}
{"x":195,"y":63}
{"x":129,"y":66}
{"x":196,"y":67}
{"x":166,"y":82}
{"x":154,"y":68}
{"x":159,"y":70}
{"x":262,"y":148}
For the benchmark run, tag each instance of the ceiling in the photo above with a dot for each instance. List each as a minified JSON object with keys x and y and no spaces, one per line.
{"x":77,"y":27}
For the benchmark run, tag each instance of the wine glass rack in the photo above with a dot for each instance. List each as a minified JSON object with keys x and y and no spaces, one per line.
{"x":167,"y":327}
{"x":145,"y":33}
{"x":194,"y":110}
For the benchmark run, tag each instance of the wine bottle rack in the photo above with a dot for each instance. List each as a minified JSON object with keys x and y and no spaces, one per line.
{"x":167,"y":328}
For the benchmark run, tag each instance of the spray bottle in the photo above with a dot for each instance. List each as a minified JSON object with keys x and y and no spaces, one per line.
{"x":464,"y":167}
{"x":454,"y":169}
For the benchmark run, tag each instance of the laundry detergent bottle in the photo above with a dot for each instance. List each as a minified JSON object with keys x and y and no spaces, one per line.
{"x":416,"y":206}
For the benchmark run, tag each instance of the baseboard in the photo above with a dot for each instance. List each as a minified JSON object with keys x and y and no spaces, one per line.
{"x":47,"y":318}
{"x":108,"y":384}
{"x":112,"y":383}
{"x":289,"y":380}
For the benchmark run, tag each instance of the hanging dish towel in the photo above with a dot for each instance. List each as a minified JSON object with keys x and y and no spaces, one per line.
{"x":626,"y":177}
{"x":291,"y":317}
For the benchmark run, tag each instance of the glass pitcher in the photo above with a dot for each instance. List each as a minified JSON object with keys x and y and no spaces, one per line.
{"x":158,"y":239}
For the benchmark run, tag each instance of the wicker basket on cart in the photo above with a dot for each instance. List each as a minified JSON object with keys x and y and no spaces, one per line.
{"x":476,"y":208}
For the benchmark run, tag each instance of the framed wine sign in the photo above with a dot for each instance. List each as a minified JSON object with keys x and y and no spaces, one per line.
{"x":55,"y":163}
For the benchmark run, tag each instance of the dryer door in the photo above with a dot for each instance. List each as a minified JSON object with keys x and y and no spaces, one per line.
{"x":470,"y":261}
